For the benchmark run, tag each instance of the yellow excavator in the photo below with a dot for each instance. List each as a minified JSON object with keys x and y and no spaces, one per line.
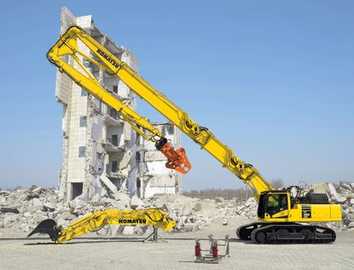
{"x":96,"y":220}
{"x":290,"y":215}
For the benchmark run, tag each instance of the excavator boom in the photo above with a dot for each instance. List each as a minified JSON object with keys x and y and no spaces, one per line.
{"x":67,"y":45}
{"x":96,"y":220}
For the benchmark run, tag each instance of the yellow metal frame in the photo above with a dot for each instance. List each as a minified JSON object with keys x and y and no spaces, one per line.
{"x":96,"y":220}
{"x":86,"y":79}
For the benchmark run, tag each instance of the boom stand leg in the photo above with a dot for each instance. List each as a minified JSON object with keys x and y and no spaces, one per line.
{"x":154,"y":236}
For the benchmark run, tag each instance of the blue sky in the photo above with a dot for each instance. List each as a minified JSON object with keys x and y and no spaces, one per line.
{"x":272,"y":79}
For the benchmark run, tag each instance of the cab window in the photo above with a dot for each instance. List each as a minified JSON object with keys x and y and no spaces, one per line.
{"x":276,"y":203}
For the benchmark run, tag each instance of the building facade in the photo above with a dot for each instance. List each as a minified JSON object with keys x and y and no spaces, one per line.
{"x":101,"y":152}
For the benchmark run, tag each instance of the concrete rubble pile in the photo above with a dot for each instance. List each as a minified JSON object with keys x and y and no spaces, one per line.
{"x":193,"y":214}
{"x":23,"y":209}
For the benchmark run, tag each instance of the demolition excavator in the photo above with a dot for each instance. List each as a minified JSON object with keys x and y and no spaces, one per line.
{"x":289,"y":215}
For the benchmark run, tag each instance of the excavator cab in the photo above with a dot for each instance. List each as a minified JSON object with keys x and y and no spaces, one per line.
{"x":273,"y":202}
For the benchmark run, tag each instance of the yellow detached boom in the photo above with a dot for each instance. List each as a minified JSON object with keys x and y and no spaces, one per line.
{"x":96,"y":220}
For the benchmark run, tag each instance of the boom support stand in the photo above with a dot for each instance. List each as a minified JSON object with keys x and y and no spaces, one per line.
{"x":154,"y":236}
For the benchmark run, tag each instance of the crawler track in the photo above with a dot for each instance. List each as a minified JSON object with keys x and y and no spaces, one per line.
{"x":285,"y":233}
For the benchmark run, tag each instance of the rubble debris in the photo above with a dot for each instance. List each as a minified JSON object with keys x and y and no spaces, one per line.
{"x":22,"y":209}
{"x":192,"y":214}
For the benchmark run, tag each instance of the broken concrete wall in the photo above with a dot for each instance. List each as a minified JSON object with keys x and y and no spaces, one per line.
{"x":95,"y":138}
{"x":154,"y":177}
{"x":97,"y":145}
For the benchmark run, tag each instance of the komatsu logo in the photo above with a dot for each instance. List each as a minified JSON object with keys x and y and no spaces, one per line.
{"x":108,"y":58}
{"x":132,"y":220}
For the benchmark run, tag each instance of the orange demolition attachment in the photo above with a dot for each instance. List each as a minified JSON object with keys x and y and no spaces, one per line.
{"x":176,"y":158}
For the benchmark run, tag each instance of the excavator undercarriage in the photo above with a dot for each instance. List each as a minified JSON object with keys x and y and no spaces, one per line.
{"x":283,"y":233}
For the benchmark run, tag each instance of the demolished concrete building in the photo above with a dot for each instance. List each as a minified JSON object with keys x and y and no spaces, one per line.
{"x":101,"y":152}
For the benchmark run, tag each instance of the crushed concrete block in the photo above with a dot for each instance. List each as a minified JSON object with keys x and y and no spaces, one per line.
{"x":219,"y":200}
{"x":187,"y":210}
{"x":128,"y":230}
{"x":123,"y":199}
{"x":346,"y":186}
{"x":48,"y":207}
{"x":136,"y":203}
{"x":197,"y":207}
{"x":36,"y":189}
{"x":95,"y":198}
{"x":113,"y":230}
{"x":108,"y":183}
{"x":77,"y":203}
{"x":332,"y":190}
{"x":4,"y":193}
{"x":9,"y":219}
{"x":154,"y":156}
{"x":351,"y":224}
{"x":67,"y":216}
{"x":36,"y":203}
{"x":140,"y":230}
{"x":251,"y":201}
{"x":340,"y":199}
{"x":320,"y":188}
{"x":125,"y":160}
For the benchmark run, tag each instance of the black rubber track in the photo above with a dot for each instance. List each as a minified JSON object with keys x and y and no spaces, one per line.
{"x":292,"y":234}
{"x":285,"y":233}
{"x":244,"y":232}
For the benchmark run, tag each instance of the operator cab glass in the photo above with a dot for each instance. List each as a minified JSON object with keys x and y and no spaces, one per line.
{"x":272,"y":203}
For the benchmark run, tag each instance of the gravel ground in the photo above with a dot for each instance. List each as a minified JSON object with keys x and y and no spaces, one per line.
{"x":38,"y":254}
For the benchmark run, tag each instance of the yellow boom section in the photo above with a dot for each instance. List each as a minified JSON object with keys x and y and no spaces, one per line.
{"x":83,"y":77}
{"x":68,"y":45}
{"x":96,"y":220}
